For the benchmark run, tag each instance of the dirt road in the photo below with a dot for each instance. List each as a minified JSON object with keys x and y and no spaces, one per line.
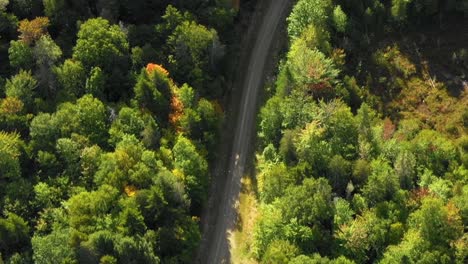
{"x":222,"y":215}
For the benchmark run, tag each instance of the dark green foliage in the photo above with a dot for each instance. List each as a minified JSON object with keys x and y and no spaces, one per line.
{"x":14,"y":234}
{"x":153,"y":92}
{"x":103,"y":45}
{"x":96,"y":82}
{"x":339,"y":172}
{"x":87,"y":117}
{"x":195,"y":168}
{"x":53,"y":246}
{"x":315,"y":209}
{"x":382,"y":183}
{"x":98,"y":163}
{"x":22,"y":86}
{"x":71,"y":78}
{"x":195,"y":51}
{"x":270,"y":121}
{"x":132,"y":122}
{"x":104,"y":161}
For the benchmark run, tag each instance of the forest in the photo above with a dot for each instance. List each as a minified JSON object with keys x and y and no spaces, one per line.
{"x":362,"y":149}
{"x":109,"y":115}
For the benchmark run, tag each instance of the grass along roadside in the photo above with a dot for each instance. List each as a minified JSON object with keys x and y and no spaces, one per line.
{"x":242,"y":238}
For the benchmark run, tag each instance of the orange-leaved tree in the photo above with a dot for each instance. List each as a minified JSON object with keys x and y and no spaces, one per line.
{"x":156,"y":67}
{"x":32,"y":30}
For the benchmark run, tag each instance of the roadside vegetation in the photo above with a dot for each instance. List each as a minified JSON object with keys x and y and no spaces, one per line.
{"x":241,"y":238}
{"x":362,"y":145}
{"x":109,"y":119}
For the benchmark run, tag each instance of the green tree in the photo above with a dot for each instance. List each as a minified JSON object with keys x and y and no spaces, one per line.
{"x":340,"y":19}
{"x":96,"y":82}
{"x":405,"y":168}
{"x":88,"y":210}
{"x":14,"y":234}
{"x":87,"y":117}
{"x":44,"y":131}
{"x":129,"y":165}
{"x":46,"y":196}
{"x":311,"y":71}
{"x":46,"y":54}
{"x":280,"y":252}
{"x":180,"y":239}
{"x":209,"y":122}
{"x":9,"y":156}
{"x":286,"y":150}
{"x":172,"y":18}
{"x":343,"y":212}
{"x":308,"y":212}
{"x":71,"y":77}
{"x":461,"y":201}
{"x":361,"y":171}
{"x":298,"y":110}
{"x":399,"y":10}
{"x":108,"y":260}
{"x":194,"y":166}
{"x":152,"y":92}
{"x":193,"y":49}
{"x":437,"y":223}
{"x":46,"y":51}
{"x":131,"y":221}
{"x":200,"y":122}
{"x":100,"y":44}
{"x":21,"y":86}
{"x":307,"y":12}
{"x":339,"y":172}
{"x":69,"y":152}
{"x":103,"y":45}
{"x":310,"y":203}
{"x":434,"y":151}
{"x":341,"y":128}
{"x":90,"y":160}
{"x":273,"y":181}
{"x":413,"y":249}
{"x":3,"y":4}
{"x":53,"y":247}
{"x":270,"y":121}
{"x":382,"y":184}
{"x":318,"y":38}
{"x":132,"y":122}
{"x":20,"y":55}
{"x":365,"y":238}
{"x":313,"y":148}
{"x":317,"y":259}
{"x":268,"y":227}
{"x":367,"y":119}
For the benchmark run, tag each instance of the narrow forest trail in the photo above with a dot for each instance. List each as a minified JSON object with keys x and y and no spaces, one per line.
{"x":221,"y":216}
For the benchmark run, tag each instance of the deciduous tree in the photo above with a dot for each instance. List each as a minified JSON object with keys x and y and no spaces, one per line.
{"x":22,"y":86}
{"x":307,"y":12}
{"x":33,"y":30}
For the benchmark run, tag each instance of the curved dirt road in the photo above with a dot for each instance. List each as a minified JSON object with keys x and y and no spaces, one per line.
{"x":215,"y":246}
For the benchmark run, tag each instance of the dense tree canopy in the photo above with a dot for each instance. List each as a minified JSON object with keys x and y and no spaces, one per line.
{"x":361,"y":150}
{"x":110,"y":112}
{"x":105,"y":154}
